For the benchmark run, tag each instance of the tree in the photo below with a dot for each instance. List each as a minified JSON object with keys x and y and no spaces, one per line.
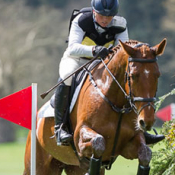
{"x":151,"y":21}
{"x":7,"y":131}
{"x":33,"y":3}
{"x":144,"y":19}
{"x":53,"y":3}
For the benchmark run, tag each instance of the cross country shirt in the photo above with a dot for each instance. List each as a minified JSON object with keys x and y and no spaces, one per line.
{"x":85,"y":33}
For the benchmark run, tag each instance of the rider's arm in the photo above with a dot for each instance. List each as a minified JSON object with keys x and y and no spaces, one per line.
{"x":121,"y":36}
{"x":75,"y":48}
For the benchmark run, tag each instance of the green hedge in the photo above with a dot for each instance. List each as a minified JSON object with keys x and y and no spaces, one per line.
{"x":163,"y":160}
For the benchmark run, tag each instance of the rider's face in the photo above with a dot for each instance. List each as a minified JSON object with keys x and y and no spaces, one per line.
{"x":102,"y":20}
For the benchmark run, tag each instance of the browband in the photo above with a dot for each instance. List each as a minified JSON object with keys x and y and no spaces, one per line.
{"x":142,"y":60}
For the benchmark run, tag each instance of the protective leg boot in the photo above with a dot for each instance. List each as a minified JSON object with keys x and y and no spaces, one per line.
{"x":95,"y":166}
{"x":143,"y":170}
{"x":151,"y":139}
{"x":61,"y":102}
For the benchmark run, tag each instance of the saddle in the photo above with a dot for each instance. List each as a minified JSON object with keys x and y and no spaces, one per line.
{"x":77,"y":83}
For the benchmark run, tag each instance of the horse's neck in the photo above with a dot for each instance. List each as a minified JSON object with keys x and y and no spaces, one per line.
{"x":117,"y":67}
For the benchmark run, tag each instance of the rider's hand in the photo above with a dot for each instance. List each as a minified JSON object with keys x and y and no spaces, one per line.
{"x":101,"y":51}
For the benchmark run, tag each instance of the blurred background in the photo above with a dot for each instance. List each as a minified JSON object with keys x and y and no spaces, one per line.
{"x":32,"y":41}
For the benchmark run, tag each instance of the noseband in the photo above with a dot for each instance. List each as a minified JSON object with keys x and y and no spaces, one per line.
{"x":131,"y":99}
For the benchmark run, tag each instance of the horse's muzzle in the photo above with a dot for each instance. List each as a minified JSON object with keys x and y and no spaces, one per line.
{"x":145,"y":125}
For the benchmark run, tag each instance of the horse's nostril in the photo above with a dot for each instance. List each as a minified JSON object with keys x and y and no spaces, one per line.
{"x":142,"y":123}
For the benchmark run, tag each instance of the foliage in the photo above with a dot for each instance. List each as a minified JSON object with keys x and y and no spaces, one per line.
{"x":53,"y":3}
{"x":151,"y":21}
{"x":33,"y":3}
{"x":163,"y":161}
{"x":143,"y":27}
{"x":162,"y":98}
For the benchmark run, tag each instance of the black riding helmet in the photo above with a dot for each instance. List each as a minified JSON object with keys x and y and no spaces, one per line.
{"x":105,"y":7}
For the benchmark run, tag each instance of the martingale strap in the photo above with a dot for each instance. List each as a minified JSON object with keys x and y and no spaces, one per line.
{"x":121,"y":111}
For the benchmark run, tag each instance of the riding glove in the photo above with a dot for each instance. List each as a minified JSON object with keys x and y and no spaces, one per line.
{"x":100,"y":51}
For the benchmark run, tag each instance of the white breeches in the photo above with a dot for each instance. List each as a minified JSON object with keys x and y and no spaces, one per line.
{"x":68,"y":65}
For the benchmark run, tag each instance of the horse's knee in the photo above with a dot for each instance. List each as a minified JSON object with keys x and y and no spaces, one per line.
{"x":98,"y":145}
{"x":91,"y":143}
{"x":144,"y":155}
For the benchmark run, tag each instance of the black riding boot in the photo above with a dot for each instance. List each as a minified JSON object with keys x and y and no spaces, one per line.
{"x":61,"y":102}
{"x":151,"y":139}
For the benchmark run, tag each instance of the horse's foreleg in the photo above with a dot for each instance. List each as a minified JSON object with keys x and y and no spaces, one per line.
{"x":137,"y":149}
{"x":91,"y":145}
{"x":144,"y":156}
{"x":143,"y":170}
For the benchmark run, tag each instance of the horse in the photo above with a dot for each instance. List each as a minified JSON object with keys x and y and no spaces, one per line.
{"x":113,"y":109}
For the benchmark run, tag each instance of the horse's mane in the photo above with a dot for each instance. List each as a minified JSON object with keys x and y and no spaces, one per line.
{"x":130,"y":42}
{"x":118,"y":47}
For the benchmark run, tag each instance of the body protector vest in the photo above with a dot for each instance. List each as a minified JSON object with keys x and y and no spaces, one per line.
{"x":92,"y":37}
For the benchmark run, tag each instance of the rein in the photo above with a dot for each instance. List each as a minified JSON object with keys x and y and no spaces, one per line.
{"x":115,"y":108}
{"x":129,"y":98}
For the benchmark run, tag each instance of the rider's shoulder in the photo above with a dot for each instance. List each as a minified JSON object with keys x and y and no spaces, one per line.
{"x":85,"y":20}
{"x":82,"y":17}
{"x":119,"y":21}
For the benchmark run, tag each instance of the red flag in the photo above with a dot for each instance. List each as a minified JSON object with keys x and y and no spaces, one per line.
{"x":17,"y":107}
{"x":166,"y":113}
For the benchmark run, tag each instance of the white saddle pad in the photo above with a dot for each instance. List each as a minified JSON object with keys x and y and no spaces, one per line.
{"x":48,"y":111}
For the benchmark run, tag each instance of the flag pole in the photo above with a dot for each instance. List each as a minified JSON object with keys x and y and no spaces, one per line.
{"x":33,"y":131}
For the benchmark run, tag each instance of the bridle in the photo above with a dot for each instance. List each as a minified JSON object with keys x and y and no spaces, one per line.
{"x":130,"y":98}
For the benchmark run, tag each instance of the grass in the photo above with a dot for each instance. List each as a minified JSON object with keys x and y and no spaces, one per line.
{"x":12,"y":161}
{"x":12,"y":158}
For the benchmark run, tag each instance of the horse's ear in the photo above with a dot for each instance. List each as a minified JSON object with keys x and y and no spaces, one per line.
{"x":159,"y":48}
{"x":128,"y":49}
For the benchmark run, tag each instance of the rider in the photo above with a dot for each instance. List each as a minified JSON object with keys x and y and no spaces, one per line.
{"x":90,"y":34}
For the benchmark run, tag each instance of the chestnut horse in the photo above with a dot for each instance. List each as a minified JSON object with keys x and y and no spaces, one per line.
{"x":115,"y":106}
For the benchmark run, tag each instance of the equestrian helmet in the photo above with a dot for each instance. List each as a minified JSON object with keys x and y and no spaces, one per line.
{"x":105,"y":7}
